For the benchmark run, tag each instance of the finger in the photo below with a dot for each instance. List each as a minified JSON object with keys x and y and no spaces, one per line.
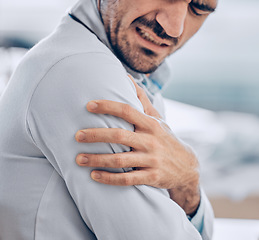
{"x":120,"y":110}
{"x":147,"y":105}
{"x":118,"y":160}
{"x":112,"y":135}
{"x":139,"y":177}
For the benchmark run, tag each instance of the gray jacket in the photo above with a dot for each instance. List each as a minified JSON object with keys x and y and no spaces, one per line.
{"x":44,"y":195}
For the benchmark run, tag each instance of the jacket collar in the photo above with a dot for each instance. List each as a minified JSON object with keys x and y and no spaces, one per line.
{"x":87,"y":12}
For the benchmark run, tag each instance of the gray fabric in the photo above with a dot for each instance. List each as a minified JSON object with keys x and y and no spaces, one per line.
{"x":43,"y":193}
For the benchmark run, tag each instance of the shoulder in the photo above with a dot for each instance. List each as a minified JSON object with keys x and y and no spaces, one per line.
{"x":73,"y":58}
{"x":90,"y":73}
{"x":72,"y":67}
{"x":67,"y":40}
{"x":77,"y":79}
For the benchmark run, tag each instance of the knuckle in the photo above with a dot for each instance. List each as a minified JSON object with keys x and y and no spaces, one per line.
{"x":131,"y":136}
{"x":118,"y":135}
{"x":107,"y":179}
{"x":92,"y":135}
{"x":118,"y":161}
{"x":156,"y":125}
{"x":154,"y":160}
{"x":191,"y":157}
{"x":152,"y":143}
{"x":105,"y":164}
{"x":155,"y":176}
{"x":96,"y":161}
{"x":126,"y":181}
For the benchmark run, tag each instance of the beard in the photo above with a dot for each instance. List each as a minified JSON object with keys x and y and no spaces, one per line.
{"x":136,"y":58}
{"x":139,"y":59}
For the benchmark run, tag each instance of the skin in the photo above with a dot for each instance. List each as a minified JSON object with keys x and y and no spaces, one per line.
{"x":159,"y":158}
{"x":171,"y":22}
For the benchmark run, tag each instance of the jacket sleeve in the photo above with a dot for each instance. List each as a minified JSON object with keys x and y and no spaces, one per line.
{"x":208,"y":218}
{"x":204,"y":218}
{"x":58,"y":110}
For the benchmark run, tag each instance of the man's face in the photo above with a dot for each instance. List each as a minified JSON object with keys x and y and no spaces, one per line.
{"x":143,"y":33}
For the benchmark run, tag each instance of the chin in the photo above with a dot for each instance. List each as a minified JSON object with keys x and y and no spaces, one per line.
{"x":140,"y":60}
{"x":144,"y":70}
{"x":143,"y":66}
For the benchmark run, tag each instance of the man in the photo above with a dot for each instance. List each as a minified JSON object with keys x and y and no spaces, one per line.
{"x":44,"y":194}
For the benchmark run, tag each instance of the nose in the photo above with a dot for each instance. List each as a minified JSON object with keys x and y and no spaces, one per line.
{"x":172,"y":17}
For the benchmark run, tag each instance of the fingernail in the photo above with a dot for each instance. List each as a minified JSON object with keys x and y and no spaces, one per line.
{"x":92,"y":105}
{"x":81,"y":136}
{"x":83,"y":159}
{"x":96,"y":175}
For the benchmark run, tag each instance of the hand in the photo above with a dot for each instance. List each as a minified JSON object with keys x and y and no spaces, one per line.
{"x":158,"y":157}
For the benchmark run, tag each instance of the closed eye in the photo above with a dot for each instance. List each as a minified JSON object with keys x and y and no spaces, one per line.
{"x":200,"y":9}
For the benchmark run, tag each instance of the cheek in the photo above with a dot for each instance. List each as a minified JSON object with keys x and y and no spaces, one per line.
{"x":191,"y":26}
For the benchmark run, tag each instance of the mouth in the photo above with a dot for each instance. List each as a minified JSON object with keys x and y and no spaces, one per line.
{"x":151,"y":37}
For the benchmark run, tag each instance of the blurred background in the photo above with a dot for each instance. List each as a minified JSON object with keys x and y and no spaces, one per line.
{"x":212,"y":101}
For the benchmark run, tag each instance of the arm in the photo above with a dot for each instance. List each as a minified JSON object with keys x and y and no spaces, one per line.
{"x":57,"y":111}
{"x":162,"y":160}
{"x":156,"y":165}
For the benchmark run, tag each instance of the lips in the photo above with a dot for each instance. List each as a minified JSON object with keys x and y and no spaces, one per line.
{"x":151,"y":37}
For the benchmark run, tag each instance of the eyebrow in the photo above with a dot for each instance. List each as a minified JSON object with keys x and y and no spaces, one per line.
{"x":204,"y":7}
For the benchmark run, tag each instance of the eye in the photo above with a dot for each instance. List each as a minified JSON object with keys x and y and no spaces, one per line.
{"x":194,"y":7}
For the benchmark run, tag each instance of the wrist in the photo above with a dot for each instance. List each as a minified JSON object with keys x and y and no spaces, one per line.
{"x":188,"y":198}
